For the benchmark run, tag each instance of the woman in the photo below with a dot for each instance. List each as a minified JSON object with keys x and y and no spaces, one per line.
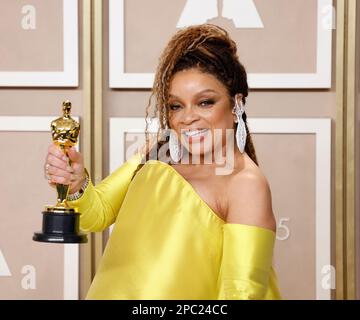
{"x":182,"y":230}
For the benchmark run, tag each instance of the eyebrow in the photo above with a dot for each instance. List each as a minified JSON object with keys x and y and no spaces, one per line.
{"x":198,"y":94}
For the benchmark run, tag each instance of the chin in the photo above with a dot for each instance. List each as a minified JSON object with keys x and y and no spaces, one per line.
{"x":197,"y":151}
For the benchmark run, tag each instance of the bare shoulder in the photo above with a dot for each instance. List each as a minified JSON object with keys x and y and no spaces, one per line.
{"x":249,"y":199}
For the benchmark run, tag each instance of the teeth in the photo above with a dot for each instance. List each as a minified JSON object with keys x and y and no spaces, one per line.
{"x":195,"y":132}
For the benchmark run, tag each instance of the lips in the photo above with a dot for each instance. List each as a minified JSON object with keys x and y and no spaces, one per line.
{"x":195,"y":133}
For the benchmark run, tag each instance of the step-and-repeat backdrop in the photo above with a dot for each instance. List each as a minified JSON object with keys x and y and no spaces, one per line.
{"x":288,"y":51}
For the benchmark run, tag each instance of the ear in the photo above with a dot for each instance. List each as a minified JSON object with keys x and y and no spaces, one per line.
{"x":235,"y":119}
{"x":232,"y":101}
{"x":238,"y":98}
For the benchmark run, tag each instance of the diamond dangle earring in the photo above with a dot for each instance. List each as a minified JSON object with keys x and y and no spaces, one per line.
{"x":175,"y":147}
{"x":241,"y":129}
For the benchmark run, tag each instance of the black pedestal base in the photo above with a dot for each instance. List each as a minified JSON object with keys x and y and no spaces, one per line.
{"x":60,"y":225}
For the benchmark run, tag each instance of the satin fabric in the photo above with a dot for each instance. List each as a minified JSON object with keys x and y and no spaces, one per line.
{"x":167,"y":243}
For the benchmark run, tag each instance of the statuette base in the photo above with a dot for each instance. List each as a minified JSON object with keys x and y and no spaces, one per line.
{"x":60,"y":225}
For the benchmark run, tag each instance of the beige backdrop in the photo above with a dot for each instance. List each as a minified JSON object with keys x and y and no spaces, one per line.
{"x":291,"y":176}
{"x":282,"y":40}
{"x":24,"y":193}
{"x":288,"y":162}
{"x":39,"y":49}
{"x":289,"y":48}
{"x":23,"y":188}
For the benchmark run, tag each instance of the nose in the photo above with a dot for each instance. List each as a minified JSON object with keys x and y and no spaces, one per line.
{"x":189,"y":116}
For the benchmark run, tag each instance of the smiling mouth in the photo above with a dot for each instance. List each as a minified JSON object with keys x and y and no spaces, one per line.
{"x":195,"y":133}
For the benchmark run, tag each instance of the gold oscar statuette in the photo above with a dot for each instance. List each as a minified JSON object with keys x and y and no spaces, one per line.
{"x":60,"y":222}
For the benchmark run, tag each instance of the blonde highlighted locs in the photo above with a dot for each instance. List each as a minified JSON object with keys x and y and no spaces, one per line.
{"x":208,"y":48}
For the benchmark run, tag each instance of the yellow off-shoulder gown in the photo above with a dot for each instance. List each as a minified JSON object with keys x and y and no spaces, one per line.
{"x":167,"y":243}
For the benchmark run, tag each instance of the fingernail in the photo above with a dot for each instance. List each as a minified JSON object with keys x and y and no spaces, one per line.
{"x":70,"y":169}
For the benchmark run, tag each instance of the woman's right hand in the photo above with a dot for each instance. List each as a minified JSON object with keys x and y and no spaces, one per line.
{"x":59,"y":171}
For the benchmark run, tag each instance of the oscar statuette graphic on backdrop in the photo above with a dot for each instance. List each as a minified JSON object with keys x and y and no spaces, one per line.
{"x":60,"y":223}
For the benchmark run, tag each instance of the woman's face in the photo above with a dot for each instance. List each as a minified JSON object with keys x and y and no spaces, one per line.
{"x":198,"y":104}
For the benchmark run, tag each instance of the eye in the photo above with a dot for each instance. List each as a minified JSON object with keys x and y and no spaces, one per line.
{"x":174,"y":107}
{"x":207,"y":102}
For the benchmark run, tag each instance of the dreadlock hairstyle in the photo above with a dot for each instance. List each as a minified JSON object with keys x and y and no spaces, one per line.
{"x":208,"y":48}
